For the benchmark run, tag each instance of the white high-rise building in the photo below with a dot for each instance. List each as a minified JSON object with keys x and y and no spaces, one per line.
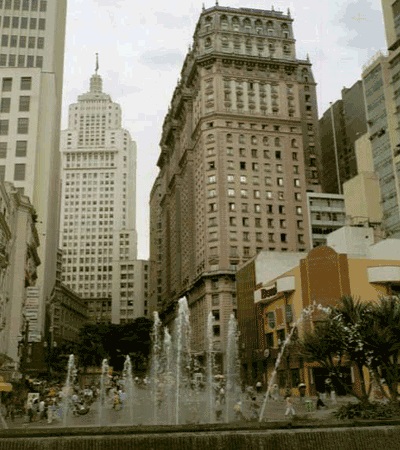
{"x":32,"y":35}
{"x":98,"y":206}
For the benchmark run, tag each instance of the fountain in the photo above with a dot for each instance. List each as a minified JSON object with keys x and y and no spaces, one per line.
{"x":129,"y":387}
{"x":68,"y":388}
{"x":103,"y":392}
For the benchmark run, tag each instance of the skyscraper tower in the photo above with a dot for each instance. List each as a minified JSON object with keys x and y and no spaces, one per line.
{"x":239,"y":149}
{"x":98,"y":207}
{"x":31,"y":80}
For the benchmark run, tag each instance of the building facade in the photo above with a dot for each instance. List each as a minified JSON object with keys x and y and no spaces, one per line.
{"x":239,"y":149}
{"x":340,"y":126}
{"x":31,"y":72}
{"x":326,"y":214}
{"x":320,"y":278}
{"x":19,"y":307}
{"x":98,"y":207}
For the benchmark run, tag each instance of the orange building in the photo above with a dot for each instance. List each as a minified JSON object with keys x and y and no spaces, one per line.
{"x":321,"y":278}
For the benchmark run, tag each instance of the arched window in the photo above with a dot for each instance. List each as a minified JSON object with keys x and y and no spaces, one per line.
{"x":265,"y":140}
{"x":277,"y":142}
{"x":270,"y":28}
{"x":224,"y":22}
{"x":294,"y":143}
{"x":258,"y":24}
{"x":208,"y":23}
{"x":207,"y":43}
{"x":254,"y":140}
{"x":235,"y":24}
{"x":229,"y":138}
{"x":247,"y":24}
{"x":241,"y":139}
{"x":225,"y":41}
{"x":210,"y":137}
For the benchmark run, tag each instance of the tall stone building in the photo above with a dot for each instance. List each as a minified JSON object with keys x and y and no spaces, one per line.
{"x":239,"y":150}
{"x":98,"y":206}
{"x":31,"y":79}
{"x":340,"y":126}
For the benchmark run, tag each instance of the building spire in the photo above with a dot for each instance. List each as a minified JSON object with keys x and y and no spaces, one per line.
{"x":97,"y":63}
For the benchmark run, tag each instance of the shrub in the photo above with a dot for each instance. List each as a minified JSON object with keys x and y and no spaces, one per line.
{"x":373,"y":410}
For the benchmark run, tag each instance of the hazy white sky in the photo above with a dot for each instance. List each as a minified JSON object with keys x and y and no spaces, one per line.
{"x":142,"y":45}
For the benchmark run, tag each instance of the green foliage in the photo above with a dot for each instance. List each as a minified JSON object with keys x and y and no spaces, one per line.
{"x":373,"y":410}
{"x":365,"y":333}
{"x":114,"y":342}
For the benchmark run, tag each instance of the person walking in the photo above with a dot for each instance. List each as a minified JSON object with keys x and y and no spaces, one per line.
{"x":290,"y":412}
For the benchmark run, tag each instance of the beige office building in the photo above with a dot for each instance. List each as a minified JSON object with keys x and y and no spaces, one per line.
{"x":31,"y":78}
{"x":98,"y":207}
{"x":239,"y":149}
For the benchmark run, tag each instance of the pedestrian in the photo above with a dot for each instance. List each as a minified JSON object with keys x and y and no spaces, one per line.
{"x":302,"y":392}
{"x":258,"y":387}
{"x":218,"y":410}
{"x":42,"y":409}
{"x":290,"y":412}
{"x":254,"y":408}
{"x":320,"y":403}
{"x":237,"y":409}
{"x":222,"y":395}
{"x":275,"y":393}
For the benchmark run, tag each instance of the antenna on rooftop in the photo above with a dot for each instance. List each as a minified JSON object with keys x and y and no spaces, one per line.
{"x":97,"y":63}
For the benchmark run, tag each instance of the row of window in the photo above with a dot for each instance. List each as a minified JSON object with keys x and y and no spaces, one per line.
{"x":25,"y":84}
{"x":22,"y":41}
{"x":24,"y":104}
{"x":20,"y":149}
{"x":27,"y":5}
{"x":20,"y":61}
{"x":22,"y":126}
{"x":24,"y":23}
{"x":19,"y":172}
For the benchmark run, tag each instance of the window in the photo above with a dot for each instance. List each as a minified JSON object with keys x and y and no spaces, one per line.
{"x":42,"y":24}
{"x":232,"y":207}
{"x":271,"y":237}
{"x":294,"y":156}
{"x":33,"y":23}
{"x":257,"y":208}
{"x":270,"y":223}
{"x":24,"y":23}
{"x":26,"y":84}
{"x":246,"y":236}
{"x":19,"y":172}
{"x":279,"y":181}
{"x":242,"y":165}
{"x":243,"y":193}
{"x":3,"y":127}
{"x":3,"y":149}
{"x":35,"y":5}
{"x":230,"y":178}
{"x":254,"y":153}
{"x":281,"y":209}
{"x":3,"y":59}
{"x":269,"y":209}
{"x":7,"y":84}
{"x":297,"y":182}
{"x":245,"y":221}
{"x":300,"y":238}
{"x":31,"y":42}
{"x":256,"y":193}
{"x":43,"y":5}
{"x":23,"y":125}
{"x":2,"y":173}
{"x":21,"y":148}
{"x":231,"y":192}
{"x":6,"y":21}
{"x":15,"y":22}
{"x":278,"y":154}
{"x":21,"y":60}
{"x":5,"y":105}
{"x":279,"y":168}
{"x":298,"y":210}
{"x":211,"y":178}
{"x":283,"y":237}
{"x":277,"y":142}
{"x":297,"y":196}
{"x":232,"y":221}
{"x":268,"y":194}
{"x":24,"y":103}
{"x":212,"y":207}
{"x":281,"y":195}
{"x":40,"y":42}
{"x":39,"y":61}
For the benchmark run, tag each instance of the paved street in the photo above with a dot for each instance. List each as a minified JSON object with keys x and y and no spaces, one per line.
{"x":274,"y":411}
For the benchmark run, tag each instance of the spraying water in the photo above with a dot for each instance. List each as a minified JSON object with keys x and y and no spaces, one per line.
{"x":103,"y":387}
{"x":182,"y":339}
{"x":210,"y":367}
{"x":155,"y":366}
{"x":68,"y":388}
{"x":232,"y":365}
{"x":129,"y":388}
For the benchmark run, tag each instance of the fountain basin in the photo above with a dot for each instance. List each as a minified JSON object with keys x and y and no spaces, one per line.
{"x":349,"y":435}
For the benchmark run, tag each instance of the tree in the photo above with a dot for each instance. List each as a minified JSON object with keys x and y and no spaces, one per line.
{"x":114,"y":342}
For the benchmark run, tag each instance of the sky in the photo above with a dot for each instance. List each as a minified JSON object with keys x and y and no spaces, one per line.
{"x":142,"y":45}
